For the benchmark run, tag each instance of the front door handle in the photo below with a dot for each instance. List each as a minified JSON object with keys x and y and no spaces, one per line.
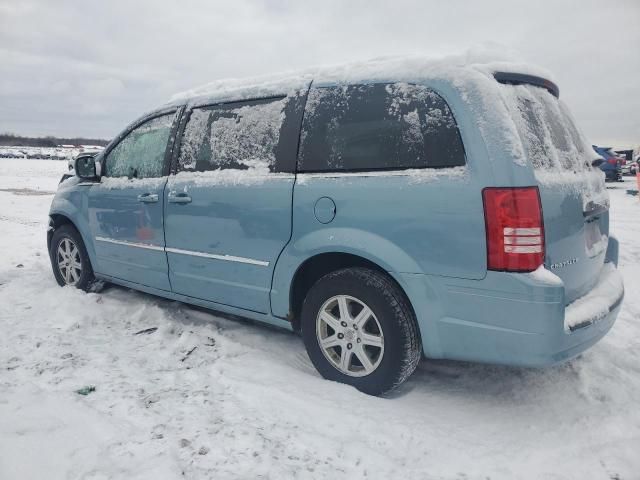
{"x":148,"y":198}
{"x":175,"y":197}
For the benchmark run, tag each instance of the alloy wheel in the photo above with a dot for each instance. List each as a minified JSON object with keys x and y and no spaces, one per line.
{"x":350,"y":335}
{"x":69,"y":262}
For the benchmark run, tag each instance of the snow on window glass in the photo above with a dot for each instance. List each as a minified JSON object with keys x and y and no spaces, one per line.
{"x":378,"y":126}
{"x":232,"y":137}
{"x":192,"y":138}
{"x":549,"y":136}
{"x":141,"y":153}
{"x":560,"y":155}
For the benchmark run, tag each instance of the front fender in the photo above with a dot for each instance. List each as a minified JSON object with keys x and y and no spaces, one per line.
{"x":372,"y":247}
{"x":72,"y":204}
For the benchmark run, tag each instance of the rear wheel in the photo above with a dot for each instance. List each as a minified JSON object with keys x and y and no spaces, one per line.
{"x":69,"y":259}
{"x":359,"y":329}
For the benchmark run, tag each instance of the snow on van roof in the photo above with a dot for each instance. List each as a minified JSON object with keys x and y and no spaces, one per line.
{"x":457,"y":69}
{"x":245,"y":88}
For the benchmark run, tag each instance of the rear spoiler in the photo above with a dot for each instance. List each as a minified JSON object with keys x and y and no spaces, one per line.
{"x":523,"y":78}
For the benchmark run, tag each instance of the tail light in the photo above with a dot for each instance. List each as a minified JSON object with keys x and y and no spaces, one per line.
{"x":612,"y":161}
{"x":515,"y":230}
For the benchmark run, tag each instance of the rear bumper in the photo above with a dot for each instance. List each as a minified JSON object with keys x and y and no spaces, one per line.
{"x":512,"y":319}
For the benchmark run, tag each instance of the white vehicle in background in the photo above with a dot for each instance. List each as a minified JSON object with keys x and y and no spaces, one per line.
{"x":630,"y":168}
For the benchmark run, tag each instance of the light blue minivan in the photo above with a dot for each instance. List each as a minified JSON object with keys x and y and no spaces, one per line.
{"x":387,"y":210}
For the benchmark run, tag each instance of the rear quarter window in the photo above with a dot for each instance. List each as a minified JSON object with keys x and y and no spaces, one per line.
{"x":378,"y":127}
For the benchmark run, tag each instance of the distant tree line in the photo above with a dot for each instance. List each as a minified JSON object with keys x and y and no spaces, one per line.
{"x":9,"y":139}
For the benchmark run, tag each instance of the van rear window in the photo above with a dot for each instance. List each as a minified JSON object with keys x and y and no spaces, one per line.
{"x":376,"y":127}
{"x":548,"y":133}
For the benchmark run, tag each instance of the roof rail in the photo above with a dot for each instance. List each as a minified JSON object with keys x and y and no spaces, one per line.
{"x":523,"y":78}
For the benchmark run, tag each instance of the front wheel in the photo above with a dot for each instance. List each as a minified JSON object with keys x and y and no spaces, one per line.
{"x":359,"y":329}
{"x":69,"y":259}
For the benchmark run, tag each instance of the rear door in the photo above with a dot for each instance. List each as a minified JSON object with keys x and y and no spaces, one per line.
{"x":575,"y":203}
{"x":126,"y":208}
{"x":228,"y":207}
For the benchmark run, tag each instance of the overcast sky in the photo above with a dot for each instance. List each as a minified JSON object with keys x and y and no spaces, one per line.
{"x":88,"y":68}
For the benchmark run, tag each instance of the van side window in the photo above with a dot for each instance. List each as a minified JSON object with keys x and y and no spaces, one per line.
{"x":376,"y":127}
{"x":141,"y":153}
{"x":238,"y":135}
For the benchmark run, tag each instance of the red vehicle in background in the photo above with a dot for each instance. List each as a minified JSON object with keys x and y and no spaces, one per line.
{"x":611,"y":165}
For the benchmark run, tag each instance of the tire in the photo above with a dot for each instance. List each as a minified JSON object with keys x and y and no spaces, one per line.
{"x":67,"y":239}
{"x":391,"y":324}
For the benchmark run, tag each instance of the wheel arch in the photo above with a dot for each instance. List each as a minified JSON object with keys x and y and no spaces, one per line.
{"x":56,"y":220}
{"x":65,"y":216}
{"x":321,"y":264}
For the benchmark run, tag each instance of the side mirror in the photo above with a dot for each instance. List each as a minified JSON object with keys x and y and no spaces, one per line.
{"x":597,"y":162}
{"x":87,"y":168}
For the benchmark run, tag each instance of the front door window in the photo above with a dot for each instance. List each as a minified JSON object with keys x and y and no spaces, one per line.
{"x":141,"y":153}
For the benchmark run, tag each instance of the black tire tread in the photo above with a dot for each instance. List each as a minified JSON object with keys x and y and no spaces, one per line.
{"x":400,"y":304}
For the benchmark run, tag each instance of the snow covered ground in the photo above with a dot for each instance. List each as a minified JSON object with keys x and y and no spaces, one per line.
{"x":246,"y":402}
